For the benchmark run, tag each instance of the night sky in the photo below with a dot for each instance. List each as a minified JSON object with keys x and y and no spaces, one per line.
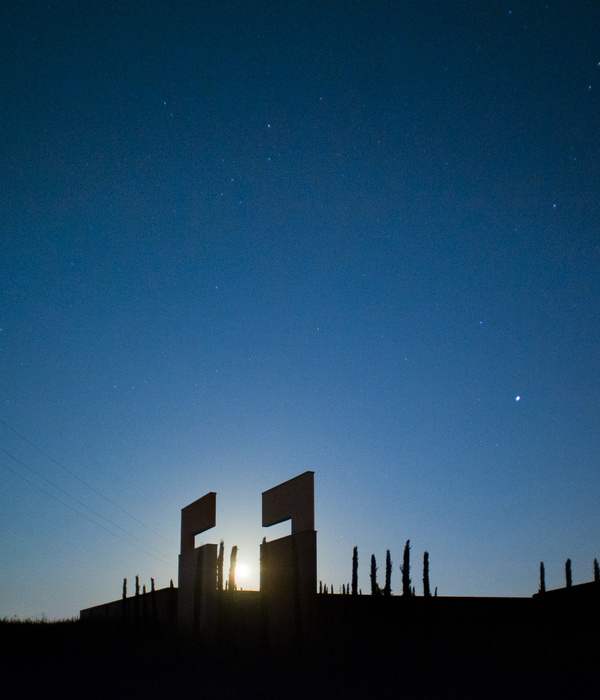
{"x":242,"y":240}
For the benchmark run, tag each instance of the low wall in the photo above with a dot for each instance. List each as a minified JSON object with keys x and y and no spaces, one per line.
{"x":155,"y":607}
{"x":416,"y":629}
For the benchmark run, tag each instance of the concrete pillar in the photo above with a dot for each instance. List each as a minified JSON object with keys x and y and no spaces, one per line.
{"x":288,"y":573}
{"x":196,"y":598}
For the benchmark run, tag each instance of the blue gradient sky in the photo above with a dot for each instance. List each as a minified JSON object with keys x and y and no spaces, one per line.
{"x":245,"y":240}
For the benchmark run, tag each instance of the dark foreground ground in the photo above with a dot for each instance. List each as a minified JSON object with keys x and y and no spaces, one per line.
{"x":71,"y":659}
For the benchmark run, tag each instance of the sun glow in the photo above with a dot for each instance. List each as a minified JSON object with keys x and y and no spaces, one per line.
{"x":242,"y":572}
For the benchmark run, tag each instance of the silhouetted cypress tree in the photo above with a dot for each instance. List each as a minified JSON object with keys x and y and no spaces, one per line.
{"x":568,"y":573}
{"x":542,"y":578}
{"x":144,"y":605}
{"x":220,"y":559}
{"x":171,"y":584}
{"x":405,"y":568}
{"x":355,"y":571}
{"x":136,"y":604}
{"x":124,"y":601}
{"x":426,"y":589}
{"x":153,"y":597}
{"x":387,"y":591}
{"x":232,"y":563}
{"x":374,"y":586}
{"x":320,"y":586}
{"x":596,"y":571}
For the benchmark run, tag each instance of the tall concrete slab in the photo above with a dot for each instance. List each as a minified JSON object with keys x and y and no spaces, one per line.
{"x":199,"y":516}
{"x":288,"y":567}
{"x":293,"y":500}
{"x":196,"y":600}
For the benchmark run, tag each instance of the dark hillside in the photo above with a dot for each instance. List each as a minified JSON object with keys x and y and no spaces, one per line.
{"x":365,"y":647}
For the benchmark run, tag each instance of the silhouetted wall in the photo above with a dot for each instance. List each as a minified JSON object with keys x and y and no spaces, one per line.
{"x":288,"y":565}
{"x":288,"y":587}
{"x":155,"y":607}
{"x":198,"y":590}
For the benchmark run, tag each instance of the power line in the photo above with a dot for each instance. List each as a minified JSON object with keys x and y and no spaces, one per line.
{"x":81,"y":503}
{"x":89,"y":486}
{"x":83,"y":515}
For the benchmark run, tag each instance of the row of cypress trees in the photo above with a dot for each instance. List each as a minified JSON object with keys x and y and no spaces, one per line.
{"x":407,"y":589}
{"x":230,"y":585}
{"x":376,"y":590}
{"x":568,"y":575}
{"x":221,"y":584}
{"x":137,"y":587}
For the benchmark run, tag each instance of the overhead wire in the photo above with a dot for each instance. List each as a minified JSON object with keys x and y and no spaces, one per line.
{"x":81,"y":503}
{"x":83,"y":515}
{"x":85,"y":483}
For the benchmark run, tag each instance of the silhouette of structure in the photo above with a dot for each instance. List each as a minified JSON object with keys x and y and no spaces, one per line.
{"x":196,"y":600}
{"x":467,"y":639}
{"x":288,"y":574}
{"x":288,"y":566}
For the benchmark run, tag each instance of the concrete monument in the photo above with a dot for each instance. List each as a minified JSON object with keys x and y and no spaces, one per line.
{"x":196,"y":600}
{"x":288,"y":570}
